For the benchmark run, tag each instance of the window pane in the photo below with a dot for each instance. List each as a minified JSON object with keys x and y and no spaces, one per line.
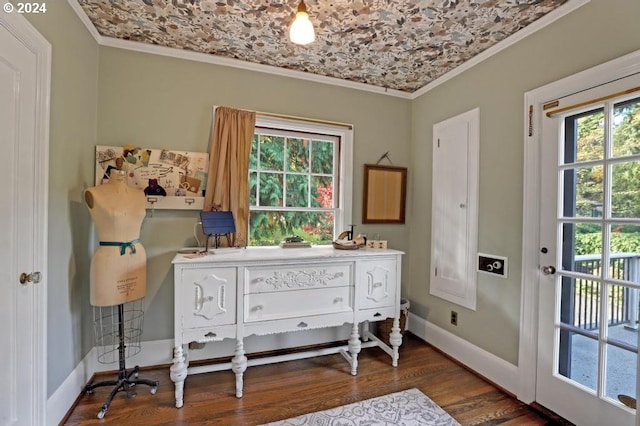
{"x":297,"y":155}
{"x":617,"y":305}
{"x":322,"y":188}
{"x":322,"y":157}
{"x":580,"y":303}
{"x":319,"y":227}
{"x":623,"y":315}
{"x":626,"y":128}
{"x":271,"y":227}
{"x":584,"y":191}
{"x":625,"y":191}
{"x":581,"y":253}
{"x":584,"y":138}
{"x":266,"y":228}
{"x":582,"y":244}
{"x":624,"y":252}
{"x":621,"y":368}
{"x":297,"y":190}
{"x":253,"y":159}
{"x":579,"y":358}
{"x":253,"y":188}
{"x":294,"y":170}
{"x":271,"y":189}
{"x":271,"y":153}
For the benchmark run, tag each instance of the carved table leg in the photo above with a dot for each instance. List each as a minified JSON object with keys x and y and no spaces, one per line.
{"x":178,"y":374}
{"x":354,"y":348}
{"x":395,"y":338}
{"x":238,"y":366}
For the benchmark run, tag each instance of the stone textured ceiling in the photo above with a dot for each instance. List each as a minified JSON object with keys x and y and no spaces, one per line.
{"x":394,"y":44}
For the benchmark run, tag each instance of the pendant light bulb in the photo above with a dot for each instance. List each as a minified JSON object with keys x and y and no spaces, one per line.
{"x":301,"y":31}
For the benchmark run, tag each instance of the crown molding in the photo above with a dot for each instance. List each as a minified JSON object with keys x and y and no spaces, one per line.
{"x":301,"y":75}
{"x":222,"y":61}
{"x":86,"y":21}
{"x":249,"y":66}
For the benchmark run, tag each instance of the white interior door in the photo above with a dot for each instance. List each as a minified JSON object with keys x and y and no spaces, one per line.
{"x":590,"y":255}
{"x":24,"y":137}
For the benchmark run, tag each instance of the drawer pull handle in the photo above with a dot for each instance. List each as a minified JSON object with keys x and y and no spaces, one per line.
{"x":377,"y":314}
{"x":258,"y":308}
{"x":222,"y":300}
{"x":210,"y":334}
{"x":337,"y":300}
{"x":303,"y":324}
{"x":199,"y":299}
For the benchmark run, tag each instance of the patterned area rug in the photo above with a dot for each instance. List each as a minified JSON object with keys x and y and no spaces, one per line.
{"x":407,"y":408}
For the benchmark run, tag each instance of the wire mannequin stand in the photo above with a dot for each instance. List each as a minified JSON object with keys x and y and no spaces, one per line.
{"x":124,"y":381}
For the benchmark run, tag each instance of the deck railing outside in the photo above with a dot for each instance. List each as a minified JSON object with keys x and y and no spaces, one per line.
{"x":623,"y":300}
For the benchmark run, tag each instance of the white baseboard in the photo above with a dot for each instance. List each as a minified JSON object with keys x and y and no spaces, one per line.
{"x":63,"y":398}
{"x":493,"y":368}
{"x":160,"y":352}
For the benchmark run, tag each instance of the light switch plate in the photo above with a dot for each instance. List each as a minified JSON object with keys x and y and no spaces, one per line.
{"x":493,"y":264}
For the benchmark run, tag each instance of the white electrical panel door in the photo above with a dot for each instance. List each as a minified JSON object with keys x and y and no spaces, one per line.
{"x":454,"y":212}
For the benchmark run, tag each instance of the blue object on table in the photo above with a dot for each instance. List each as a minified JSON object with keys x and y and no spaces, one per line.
{"x":216,"y":224}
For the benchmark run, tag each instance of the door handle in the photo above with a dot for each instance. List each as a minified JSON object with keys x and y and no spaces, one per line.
{"x":33,"y":277}
{"x":548,"y":270}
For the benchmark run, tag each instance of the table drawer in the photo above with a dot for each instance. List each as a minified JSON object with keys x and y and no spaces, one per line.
{"x":376,"y":283}
{"x":299,"y":277}
{"x":262,"y":328}
{"x":208,"y":297}
{"x":297,"y":303}
{"x":209,"y":334}
{"x":375,"y":314}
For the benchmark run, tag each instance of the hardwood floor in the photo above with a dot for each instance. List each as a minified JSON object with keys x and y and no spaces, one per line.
{"x":279,"y":391}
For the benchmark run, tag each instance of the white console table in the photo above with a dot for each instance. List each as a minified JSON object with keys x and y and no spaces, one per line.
{"x":235,"y":293}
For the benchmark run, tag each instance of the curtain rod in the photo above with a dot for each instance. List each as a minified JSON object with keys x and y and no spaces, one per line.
{"x":303,"y":119}
{"x":591,"y":101}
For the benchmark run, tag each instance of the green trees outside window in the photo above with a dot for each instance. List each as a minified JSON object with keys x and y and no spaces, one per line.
{"x":625,"y":177}
{"x":291,"y":185}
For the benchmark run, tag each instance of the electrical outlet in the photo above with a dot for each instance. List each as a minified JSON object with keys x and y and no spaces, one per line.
{"x":492,"y":264}
{"x":454,"y":318}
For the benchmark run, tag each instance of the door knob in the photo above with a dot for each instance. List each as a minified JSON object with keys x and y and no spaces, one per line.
{"x":33,"y":277}
{"x":548,"y":270}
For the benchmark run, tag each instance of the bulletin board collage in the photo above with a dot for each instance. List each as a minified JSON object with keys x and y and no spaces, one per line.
{"x":160,"y":173}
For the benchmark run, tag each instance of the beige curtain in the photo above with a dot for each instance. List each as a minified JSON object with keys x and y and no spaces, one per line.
{"x":228,"y":178}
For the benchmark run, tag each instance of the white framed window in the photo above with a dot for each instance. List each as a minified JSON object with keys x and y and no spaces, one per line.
{"x":300,"y":180}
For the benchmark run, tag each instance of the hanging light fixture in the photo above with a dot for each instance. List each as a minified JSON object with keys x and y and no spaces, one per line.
{"x":301,"y":31}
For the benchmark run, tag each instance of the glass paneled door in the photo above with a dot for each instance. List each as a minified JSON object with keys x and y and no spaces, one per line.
{"x":590,"y":256}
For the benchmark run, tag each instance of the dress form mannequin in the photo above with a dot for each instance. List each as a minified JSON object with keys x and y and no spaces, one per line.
{"x":119,"y":265}
{"x":118,"y":276}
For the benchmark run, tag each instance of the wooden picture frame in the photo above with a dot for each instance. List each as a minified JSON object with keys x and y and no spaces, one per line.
{"x":385,"y":193}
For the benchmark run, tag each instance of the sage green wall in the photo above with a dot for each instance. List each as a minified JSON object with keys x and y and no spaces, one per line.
{"x":74,"y":104}
{"x":163,"y":102}
{"x":595,"y":33}
{"x":111,"y":96}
